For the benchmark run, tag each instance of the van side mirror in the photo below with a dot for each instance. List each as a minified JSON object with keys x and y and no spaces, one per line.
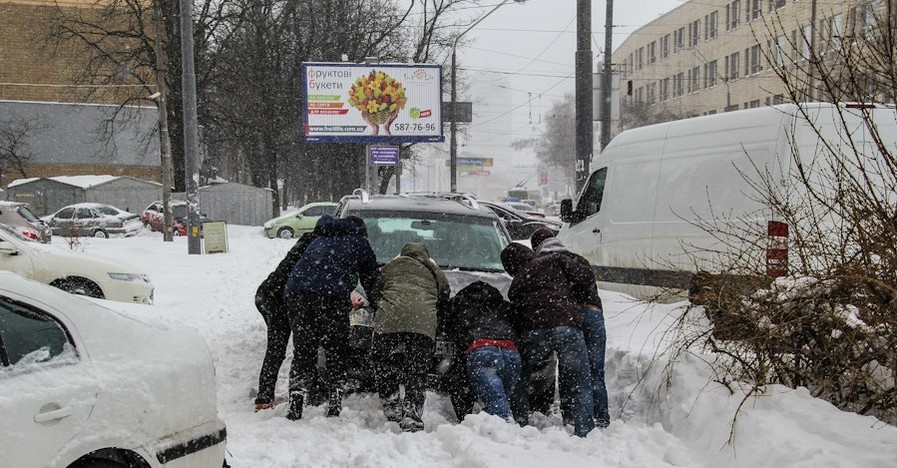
{"x":567,"y":213}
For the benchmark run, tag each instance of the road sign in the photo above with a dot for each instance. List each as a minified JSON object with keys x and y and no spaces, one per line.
{"x":383,"y":155}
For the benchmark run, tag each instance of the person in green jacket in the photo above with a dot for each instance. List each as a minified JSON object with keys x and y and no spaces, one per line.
{"x":413,"y":294}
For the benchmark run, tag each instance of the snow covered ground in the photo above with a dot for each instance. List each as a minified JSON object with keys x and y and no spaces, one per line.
{"x":688,"y":424}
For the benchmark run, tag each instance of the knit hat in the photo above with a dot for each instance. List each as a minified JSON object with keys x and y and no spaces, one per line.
{"x":359,"y":223}
{"x":539,"y":236}
{"x":515,"y":256}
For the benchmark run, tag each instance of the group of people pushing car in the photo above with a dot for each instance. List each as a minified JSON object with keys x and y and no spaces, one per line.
{"x":553,"y":307}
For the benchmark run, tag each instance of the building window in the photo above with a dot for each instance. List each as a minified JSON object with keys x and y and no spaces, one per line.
{"x":652,"y":93}
{"x":710,"y":74}
{"x":755,"y":7}
{"x":665,"y":89}
{"x":755,"y":104}
{"x":733,"y":15}
{"x":640,"y":58}
{"x":694,"y":80}
{"x":640,"y":95}
{"x":780,"y":54}
{"x":652,"y":52}
{"x":694,"y":33}
{"x":664,"y":47}
{"x":778,"y":99}
{"x":776,"y":4}
{"x":756,"y":57}
{"x":680,"y":84}
{"x":808,"y":33}
{"x":710,"y":25}
{"x":837,"y":29}
{"x":732,"y":63}
{"x":678,"y":40}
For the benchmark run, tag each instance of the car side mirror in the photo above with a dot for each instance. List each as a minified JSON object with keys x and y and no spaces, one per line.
{"x":7,"y":248}
{"x":299,"y":216}
{"x":567,"y":213}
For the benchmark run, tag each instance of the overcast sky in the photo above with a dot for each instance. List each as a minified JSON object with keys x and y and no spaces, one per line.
{"x":533,"y":43}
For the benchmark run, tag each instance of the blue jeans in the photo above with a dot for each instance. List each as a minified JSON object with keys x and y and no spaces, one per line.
{"x":595,"y":336}
{"x":573,"y":372}
{"x":493,"y":372}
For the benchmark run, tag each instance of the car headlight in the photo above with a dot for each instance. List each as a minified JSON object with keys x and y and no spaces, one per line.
{"x":130,"y":277}
{"x":268,"y":225}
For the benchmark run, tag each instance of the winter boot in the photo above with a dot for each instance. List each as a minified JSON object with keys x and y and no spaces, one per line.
{"x":413,"y":411}
{"x":392,"y":407}
{"x":297,"y":400}
{"x":263,"y":405}
{"x":335,"y":402}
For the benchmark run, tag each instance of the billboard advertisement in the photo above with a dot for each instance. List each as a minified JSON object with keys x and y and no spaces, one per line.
{"x":372,"y":103}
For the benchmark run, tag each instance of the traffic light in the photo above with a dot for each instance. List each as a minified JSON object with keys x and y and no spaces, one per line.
{"x":629,"y":88}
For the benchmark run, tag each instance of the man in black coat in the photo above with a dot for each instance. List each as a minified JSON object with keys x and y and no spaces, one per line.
{"x":318,"y":301}
{"x":269,"y":302}
{"x":544,"y":242}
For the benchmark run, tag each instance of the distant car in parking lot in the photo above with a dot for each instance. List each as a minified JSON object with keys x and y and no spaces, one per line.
{"x":520,"y":225}
{"x":154,"y":217}
{"x":525,"y":208}
{"x":93,"y":220}
{"x":86,"y":387}
{"x":298,"y":223}
{"x":20,"y":218}
{"x":75,"y":272}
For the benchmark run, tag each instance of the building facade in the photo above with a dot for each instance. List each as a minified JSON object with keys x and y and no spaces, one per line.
{"x":709,"y":56}
{"x":62,"y":113}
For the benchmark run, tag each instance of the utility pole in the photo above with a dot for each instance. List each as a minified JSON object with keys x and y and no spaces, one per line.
{"x":191,"y":145}
{"x":812,"y":57}
{"x":164,"y":139}
{"x":583,"y":99}
{"x":607,"y":75}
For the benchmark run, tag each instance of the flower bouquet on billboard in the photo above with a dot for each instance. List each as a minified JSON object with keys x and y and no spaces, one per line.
{"x":379,"y":97}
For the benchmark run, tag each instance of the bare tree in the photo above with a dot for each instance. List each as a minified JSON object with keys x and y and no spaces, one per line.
{"x":15,"y":152}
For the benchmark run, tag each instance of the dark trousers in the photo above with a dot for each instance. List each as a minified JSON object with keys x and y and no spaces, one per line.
{"x":278,"y":324}
{"x":318,"y":321}
{"x":403,"y":359}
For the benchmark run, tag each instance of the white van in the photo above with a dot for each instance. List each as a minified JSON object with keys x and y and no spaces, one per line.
{"x":637,"y":217}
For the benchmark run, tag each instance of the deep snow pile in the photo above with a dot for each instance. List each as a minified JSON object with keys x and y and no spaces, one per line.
{"x":687,"y":424}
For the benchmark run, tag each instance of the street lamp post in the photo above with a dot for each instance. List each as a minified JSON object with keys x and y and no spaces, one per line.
{"x":453,"y":125}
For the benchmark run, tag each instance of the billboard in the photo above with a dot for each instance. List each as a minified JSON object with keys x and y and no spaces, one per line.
{"x":372,"y":103}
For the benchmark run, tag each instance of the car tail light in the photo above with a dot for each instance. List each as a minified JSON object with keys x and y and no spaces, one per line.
{"x":776,"y":249}
{"x":29,"y":233}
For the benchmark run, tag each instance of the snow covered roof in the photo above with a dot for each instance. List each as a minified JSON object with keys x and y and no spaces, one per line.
{"x":82,"y":181}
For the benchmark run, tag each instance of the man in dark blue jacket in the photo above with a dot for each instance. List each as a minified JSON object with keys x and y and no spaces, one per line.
{"x":317,"y":295}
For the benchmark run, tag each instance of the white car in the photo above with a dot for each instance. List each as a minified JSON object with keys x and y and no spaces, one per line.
{"x":74,"y":272}
{"x":82,"y":386}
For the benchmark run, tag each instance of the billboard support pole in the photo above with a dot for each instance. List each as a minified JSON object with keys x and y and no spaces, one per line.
{"x":367,"y":168}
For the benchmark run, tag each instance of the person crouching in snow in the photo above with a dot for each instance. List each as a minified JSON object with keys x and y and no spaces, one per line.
{"x":413,"y":295}
{"x":480,"y":323}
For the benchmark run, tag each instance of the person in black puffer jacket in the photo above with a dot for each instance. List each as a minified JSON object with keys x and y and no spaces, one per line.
{"x":269,"y":302}
{"x":317,"y":295}
{"x":480,"y":324}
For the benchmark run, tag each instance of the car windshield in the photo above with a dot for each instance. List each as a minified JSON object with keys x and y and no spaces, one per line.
{"x":27,"y":214}
{"x":464,"y":242}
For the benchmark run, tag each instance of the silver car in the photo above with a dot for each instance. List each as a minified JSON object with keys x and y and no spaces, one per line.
{"x":93,"y":220}
{"x":18,"y":217}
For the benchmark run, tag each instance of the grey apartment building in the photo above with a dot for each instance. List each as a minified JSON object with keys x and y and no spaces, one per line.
{"x":709,"y":56}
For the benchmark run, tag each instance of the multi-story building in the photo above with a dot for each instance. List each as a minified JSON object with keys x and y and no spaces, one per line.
{"x":709,"y":56}
{"x":52,"y":110}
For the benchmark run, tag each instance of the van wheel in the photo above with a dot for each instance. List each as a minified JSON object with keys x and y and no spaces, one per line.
{"x":101,"y":234}
{"x":285,"y":233}
{"x":81,"y":286}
